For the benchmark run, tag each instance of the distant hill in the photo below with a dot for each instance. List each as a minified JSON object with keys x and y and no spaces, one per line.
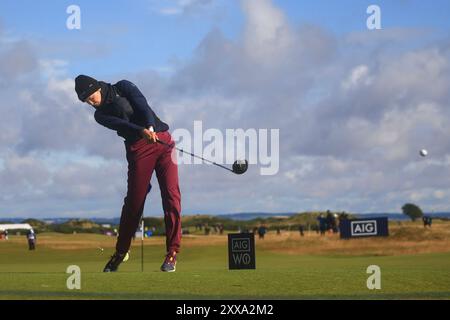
{"x":63,"y":220}
{"x":400,"y":216}
{"x":245,"y":216}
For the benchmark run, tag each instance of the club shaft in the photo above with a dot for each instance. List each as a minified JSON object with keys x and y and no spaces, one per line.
{"x":195,"y":156}
{"x":142,"y":247}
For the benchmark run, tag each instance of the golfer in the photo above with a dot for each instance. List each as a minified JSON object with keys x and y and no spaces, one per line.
{"x":123,"y":108}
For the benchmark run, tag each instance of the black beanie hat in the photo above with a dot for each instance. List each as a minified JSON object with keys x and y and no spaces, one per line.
{"x":85,"y":86}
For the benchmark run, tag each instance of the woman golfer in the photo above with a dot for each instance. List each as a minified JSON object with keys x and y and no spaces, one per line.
{"x":123,"y":108}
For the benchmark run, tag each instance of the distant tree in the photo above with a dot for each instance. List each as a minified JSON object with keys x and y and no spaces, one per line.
{"x":412,"y":211}
{"x":38,"y":225}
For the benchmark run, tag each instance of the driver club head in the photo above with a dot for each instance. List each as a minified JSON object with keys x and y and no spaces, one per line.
{"x":240,"y":166}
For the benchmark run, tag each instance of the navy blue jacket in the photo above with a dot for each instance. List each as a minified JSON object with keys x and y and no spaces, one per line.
{"x":125,"y":110}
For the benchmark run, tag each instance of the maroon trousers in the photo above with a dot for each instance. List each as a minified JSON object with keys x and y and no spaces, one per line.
{"x":144,"y":158}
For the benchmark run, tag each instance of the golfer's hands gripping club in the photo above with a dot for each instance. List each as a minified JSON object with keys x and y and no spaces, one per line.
{"x":149,"y":136}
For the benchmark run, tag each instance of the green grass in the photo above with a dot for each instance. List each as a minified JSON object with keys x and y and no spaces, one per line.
{"x":202,"y":274}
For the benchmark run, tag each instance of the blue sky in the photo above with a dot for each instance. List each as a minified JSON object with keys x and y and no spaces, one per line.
{"x":137,"y":32}
{"x":353,"y":106}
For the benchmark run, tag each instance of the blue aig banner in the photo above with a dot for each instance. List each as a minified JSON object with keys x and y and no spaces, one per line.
{"x":358,"y":228}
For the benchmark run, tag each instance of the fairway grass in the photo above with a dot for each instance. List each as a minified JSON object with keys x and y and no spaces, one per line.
{"x":202,"y":272}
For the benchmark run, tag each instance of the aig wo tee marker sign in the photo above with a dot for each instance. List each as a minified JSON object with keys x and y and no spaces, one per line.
{"x":241,"y":251}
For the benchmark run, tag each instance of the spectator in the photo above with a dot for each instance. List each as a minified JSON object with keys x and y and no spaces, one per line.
{"x":329,"y":221}
{"x":342,"y":217}
{"x":335,"y":223}
{"x":262,"y":231}
{"x":322,"y":225}
{"x":31,"y":240}
{"x":207,"y":229}
{"x":427,"y":221}
{"x":301,"y":229}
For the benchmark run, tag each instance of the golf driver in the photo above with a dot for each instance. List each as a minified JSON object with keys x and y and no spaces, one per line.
{"x":239,"y":166}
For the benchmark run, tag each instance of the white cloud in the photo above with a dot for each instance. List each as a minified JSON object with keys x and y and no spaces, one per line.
{"x":17,"y":59}
{"x":267,"y":35}
{"x":353,"y":115}
{"x":440,"y":194}
{"x":170,"y":11}
{"x":359,"y":75}
{"x":179,"y":7}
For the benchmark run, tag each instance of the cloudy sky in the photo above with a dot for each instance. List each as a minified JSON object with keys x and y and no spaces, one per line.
{"x":353,"y":106}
